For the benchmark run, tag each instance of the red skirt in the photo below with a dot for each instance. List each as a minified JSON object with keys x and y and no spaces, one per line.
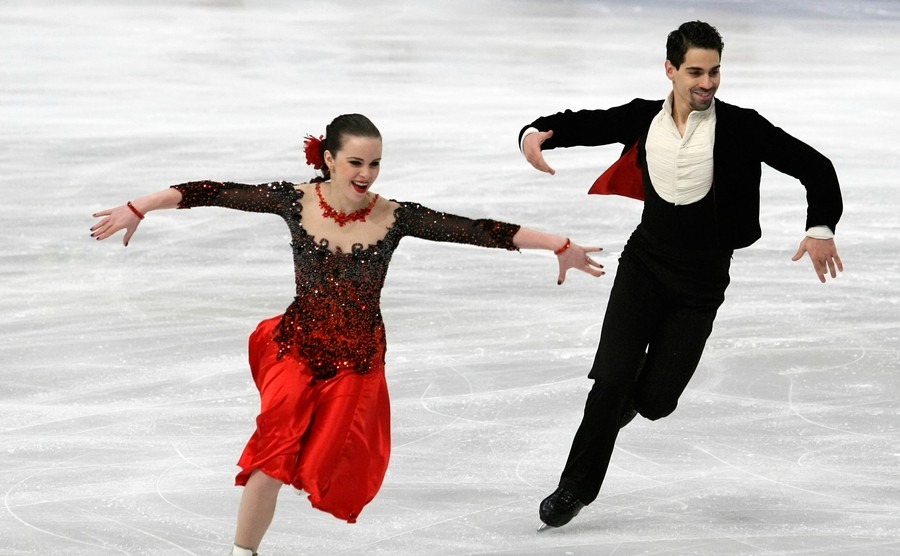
{"x":331,"y":439}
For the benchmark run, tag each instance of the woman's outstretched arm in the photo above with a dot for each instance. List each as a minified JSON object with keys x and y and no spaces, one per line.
{"x":128,"y":216}
{"x":432,"y":225}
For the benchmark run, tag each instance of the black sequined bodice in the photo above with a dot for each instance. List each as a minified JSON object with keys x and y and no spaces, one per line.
{"x":335,"y":321}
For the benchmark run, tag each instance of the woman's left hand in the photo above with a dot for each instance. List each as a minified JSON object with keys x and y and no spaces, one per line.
{"x":576,"y":256}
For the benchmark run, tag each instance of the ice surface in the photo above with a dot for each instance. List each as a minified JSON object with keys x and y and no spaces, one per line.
{"x":124,"y":394}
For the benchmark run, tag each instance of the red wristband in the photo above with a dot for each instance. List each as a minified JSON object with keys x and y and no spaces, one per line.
{"x":140,"y":215}
{"x":562,"y":249}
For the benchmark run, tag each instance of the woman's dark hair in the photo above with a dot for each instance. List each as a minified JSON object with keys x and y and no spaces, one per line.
{"x":355,"y":125}
{"x":693,"y":34}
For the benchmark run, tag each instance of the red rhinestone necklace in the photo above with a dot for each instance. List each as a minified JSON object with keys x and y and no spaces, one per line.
{"x":343,"y":218}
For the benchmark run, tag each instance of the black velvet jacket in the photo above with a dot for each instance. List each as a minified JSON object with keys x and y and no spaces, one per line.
{"x":744,"y":140}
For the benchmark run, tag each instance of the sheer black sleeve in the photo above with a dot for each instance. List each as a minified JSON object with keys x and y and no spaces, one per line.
{"x":424,"y":223}
{"x":275,"y":197}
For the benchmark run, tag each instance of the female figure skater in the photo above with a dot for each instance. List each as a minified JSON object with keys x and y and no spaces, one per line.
{"x":324,"y":421}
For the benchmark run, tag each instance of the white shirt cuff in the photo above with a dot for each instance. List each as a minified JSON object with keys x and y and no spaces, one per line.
{"x":525,"y":134}
{"x":820,"y":232}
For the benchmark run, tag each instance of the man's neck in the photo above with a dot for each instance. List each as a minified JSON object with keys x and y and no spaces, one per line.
{"x":680,"y":113}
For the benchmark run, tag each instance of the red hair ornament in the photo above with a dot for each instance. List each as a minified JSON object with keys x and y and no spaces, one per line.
{"x":315,"y":156}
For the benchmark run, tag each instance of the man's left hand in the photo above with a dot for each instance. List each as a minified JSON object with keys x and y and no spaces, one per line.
{"x":824,"y":255}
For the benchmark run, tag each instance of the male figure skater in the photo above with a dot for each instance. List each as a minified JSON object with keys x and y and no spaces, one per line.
{"x":696,"y":163}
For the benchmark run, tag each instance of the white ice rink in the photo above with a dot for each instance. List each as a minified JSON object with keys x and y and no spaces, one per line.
{"x":125,"y":398}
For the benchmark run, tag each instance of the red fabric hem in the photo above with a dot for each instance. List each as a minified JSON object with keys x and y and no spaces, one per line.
{"x":330,"y":439}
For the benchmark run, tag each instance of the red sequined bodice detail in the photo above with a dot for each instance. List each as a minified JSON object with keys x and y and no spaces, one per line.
{"x":335,"y":321}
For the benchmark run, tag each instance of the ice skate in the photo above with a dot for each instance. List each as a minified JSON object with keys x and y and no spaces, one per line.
{"x":559,"y":508}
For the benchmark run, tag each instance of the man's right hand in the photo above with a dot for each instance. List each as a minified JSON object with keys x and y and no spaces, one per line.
{"x":531,"y":147}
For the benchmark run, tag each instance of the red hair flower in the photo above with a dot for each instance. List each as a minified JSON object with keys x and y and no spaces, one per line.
{"x":315,"y":157}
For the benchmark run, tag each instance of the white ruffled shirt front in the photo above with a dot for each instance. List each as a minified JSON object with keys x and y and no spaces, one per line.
{"x":681,"y":167}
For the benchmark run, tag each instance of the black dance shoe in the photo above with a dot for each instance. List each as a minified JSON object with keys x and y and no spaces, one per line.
{"x":559,"y":508}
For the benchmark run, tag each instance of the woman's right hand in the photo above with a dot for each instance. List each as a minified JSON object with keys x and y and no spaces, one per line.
{"x":115,"y":219}
{"x":128,"y":216}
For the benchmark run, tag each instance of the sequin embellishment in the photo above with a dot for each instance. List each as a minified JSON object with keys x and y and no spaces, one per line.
{"x":334,"y":322}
